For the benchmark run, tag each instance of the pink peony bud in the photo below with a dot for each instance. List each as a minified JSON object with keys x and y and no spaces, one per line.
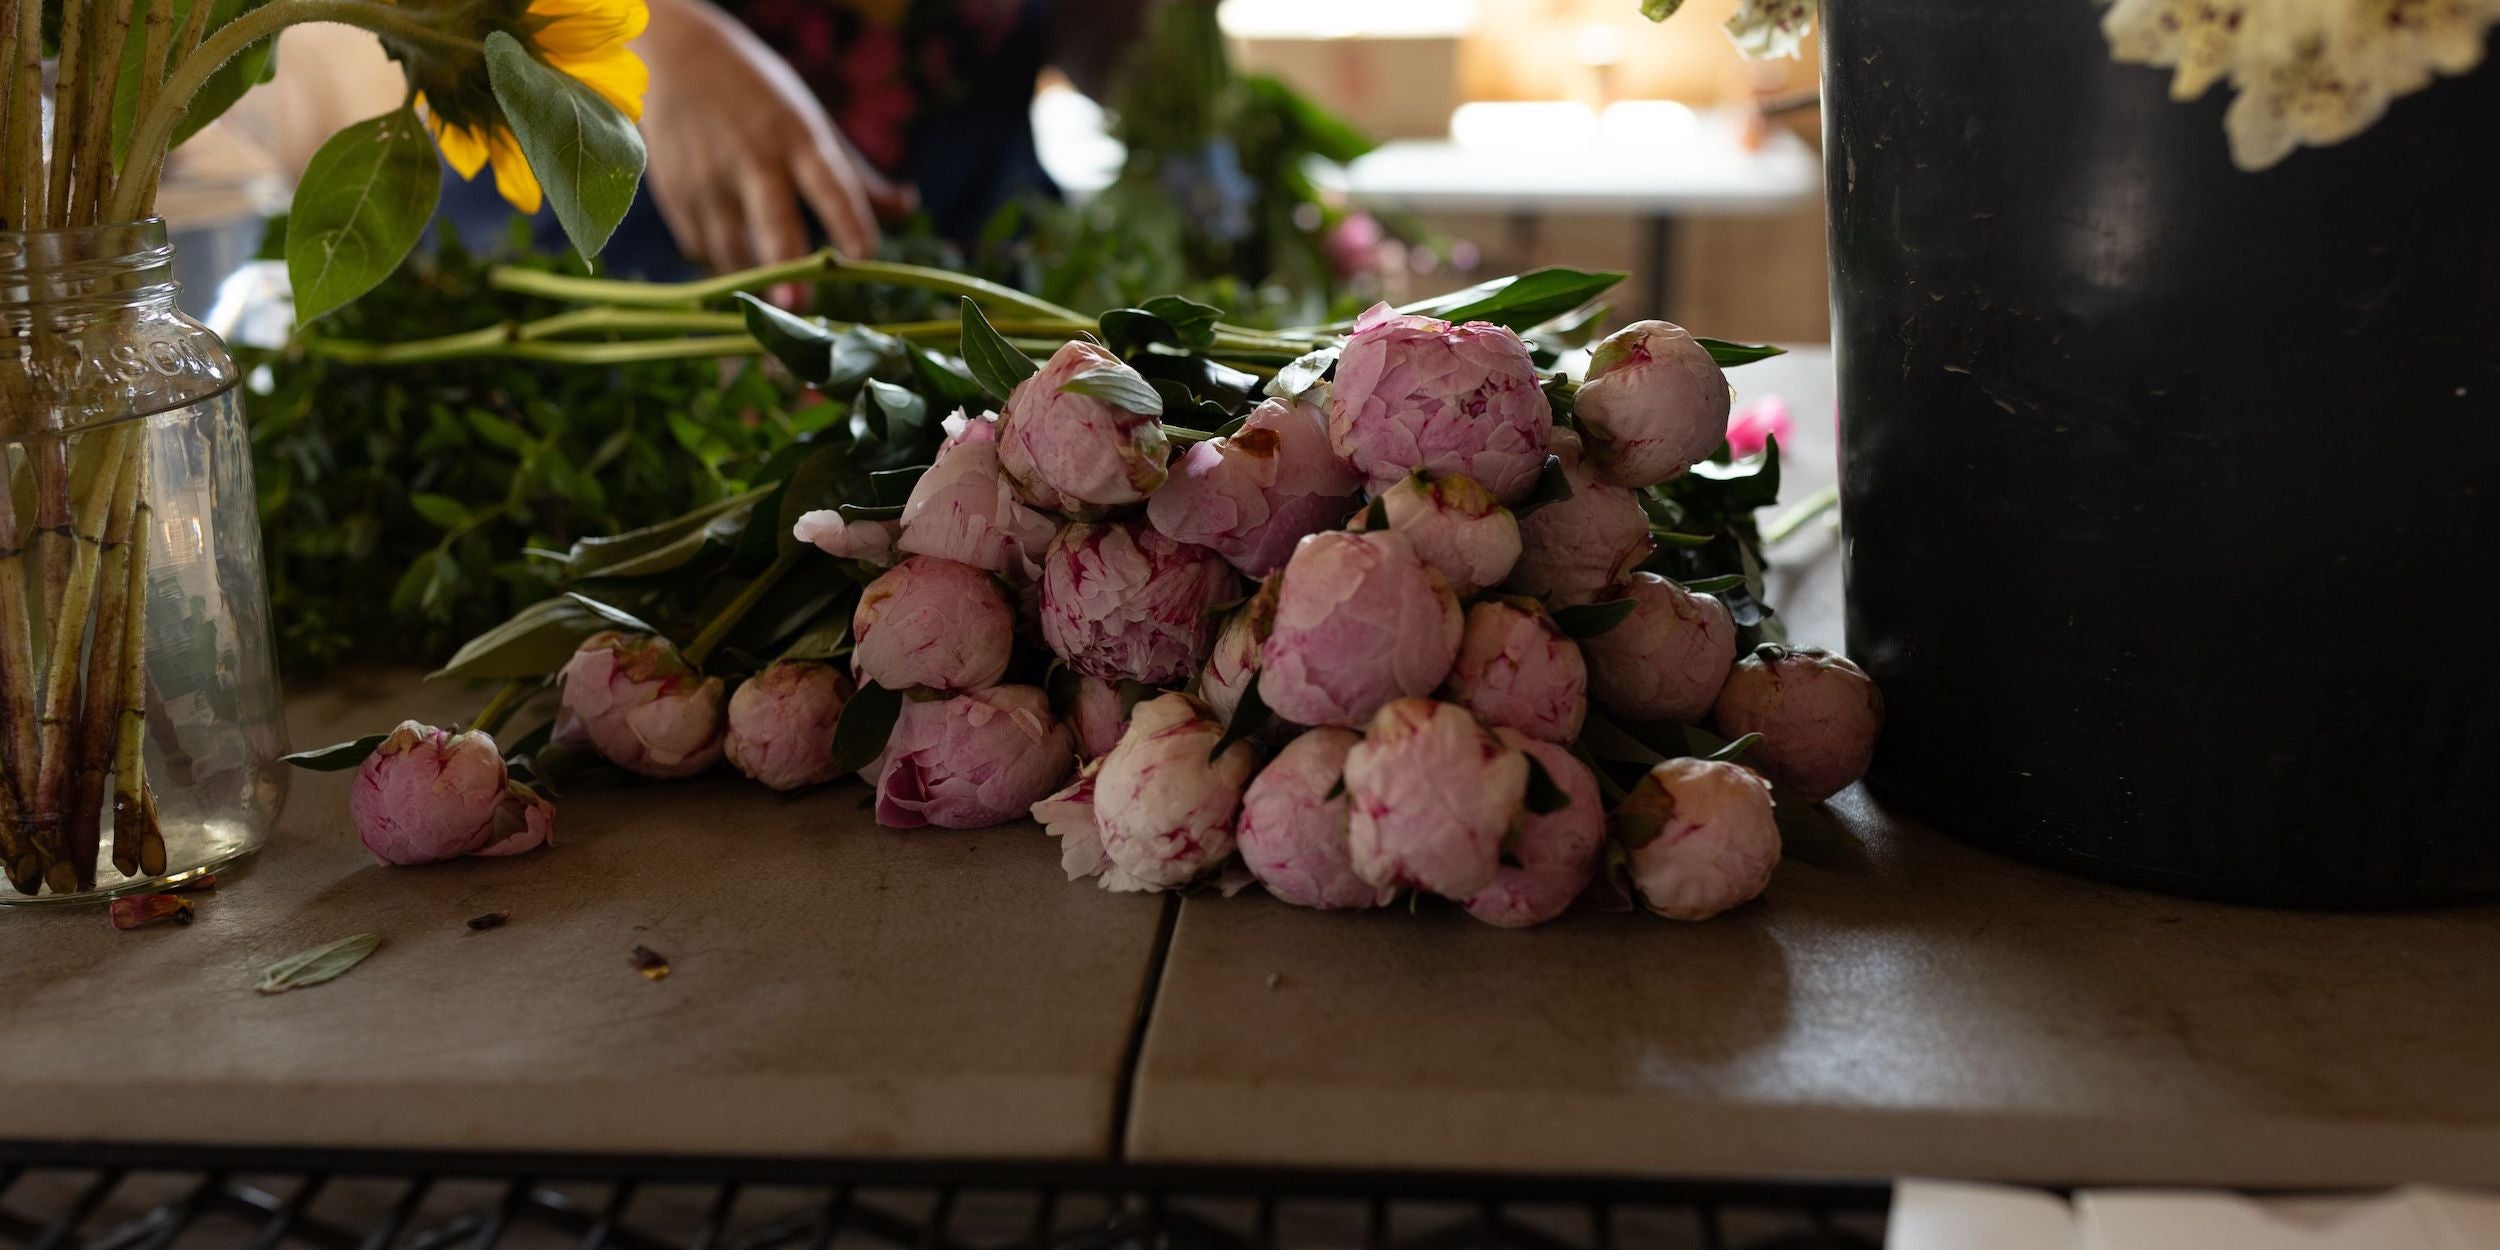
{"x":1293,"y":825}
{"x":1359,"y":621}
{"x":1458,"y":528}
{"x":1516,"y":669}
{"x":1667,"y":660}
{"x":1818,"y":715}
{"x":426,"y":795}
{"x":1072,"y":453}
{"x":1415,"y":393}
{"x":1069,"y":816}
{"x":933,"y":623}
{"x":1701,"y":836}
{"x":524,"y":822}
{"x":1252,"y":496}
{"x":972,"y":761}
{"x":1573,"y":550}
{"x":1752,"y":427}
{"x":643,"y":707}
{"x":1122,"y":601}
{"x":1234,"y":661}
{"x":1433,"y":796}
{"x":1164,"y":806}
{"x":964,"y":509}
{"x":1654,"y":403}
{"x":1550,"y":861}
{"x":869,"y":542}
{"x":1095,"y":715}
{"x":781,"y":723}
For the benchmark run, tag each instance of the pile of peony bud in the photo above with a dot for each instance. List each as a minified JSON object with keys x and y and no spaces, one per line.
{"x":1345,"y":650}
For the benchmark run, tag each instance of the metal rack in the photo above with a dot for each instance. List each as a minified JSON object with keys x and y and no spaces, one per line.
{"x":69,"y":1197}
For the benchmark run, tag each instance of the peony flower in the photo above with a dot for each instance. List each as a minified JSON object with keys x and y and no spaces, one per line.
{"x":642,"y":706}
{"x":972,"y":761}
{"x":1457,"y":526}
{"x":1433,"y":795}
{"x":1752,"y":427}
{"x":933,"y":623}
{"x":1550,"y":861}
{"x":1072,"y":453}
{"x":1359,"y":621}
{"x":1701,"y":836}
{"x":1414,"y":393}
{"x":1122,"y":601}
{"x":426,"y":795}
{"x":1516,"y":669}
{"x":1573,"y":550}
{"x":524,"y":822}
{"x":869,"y":542}
{"x":1293,"y":825}
{"x":1095,"y":715}
{"x":1818,"y":715}
{"x":1654,"y":403}
{"x":1163,"y":799}
{"x":1250,"y":497}
{"x":1069,"y":816}
{"x":1234,"y":661}
{"x":1667,"y":660}
{"x":964,"y":509}
{"x":781,"y":723}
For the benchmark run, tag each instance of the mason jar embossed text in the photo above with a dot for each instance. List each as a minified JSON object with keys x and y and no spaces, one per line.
{"x":139,"y":715}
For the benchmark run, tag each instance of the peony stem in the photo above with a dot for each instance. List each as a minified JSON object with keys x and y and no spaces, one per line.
{"x":704,"y":643}
{"x":104,"y":77}
{"x":500,"y":708}
{"x":26,"y":79}
{"x":134,"y":808}
{"x":17,"y":691}
{"x":94,"y":740}
{"x":70,"y":614}
{"x":823,"y":266}
{"x":1795,"y":519}
{"x":65,"y":109}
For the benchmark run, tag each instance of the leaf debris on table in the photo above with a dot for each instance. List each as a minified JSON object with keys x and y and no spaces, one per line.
{"x":134,"y":911}
{"x":491,"y":920}
{"x":650,"y":963}
{"x":322,"y":963}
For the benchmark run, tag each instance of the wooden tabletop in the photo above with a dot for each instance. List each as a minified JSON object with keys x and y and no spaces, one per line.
{"x":1899,"y":1003}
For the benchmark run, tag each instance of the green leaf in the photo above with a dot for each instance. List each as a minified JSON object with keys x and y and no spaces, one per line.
{"x":442,"y":510}
{"x":827,"y":478}
{"x":1192,"y":321}
{"x":1734,"y":751}
{"x":1603,"y":738}
{"x":1660,"y":10}
{"x":538,"y":639}
{"x":1665,"y":537}
{"x":1589,"y":620}
{"x":1545,"y":795}
{"x":802,"y":346}
{"x":322,"y":963}
{"x":1524,"y":301}
{"x":858,"y":353}
{"x":995,"y":363}
{"x":944,"y":379}
{"x":251,"y":67}
{"x":587,"y":156}
{"x":1116,"y":385}
{"x":823,"y":641}
{"x":337,"y":757}
{"x":1125,"y":330}
{"x":1249,"y":716}
{"x":892,"y":487}
{"x":1552,"y":486}
{"x":362,"y":204}
{"x":860,"y":733}
{"x":499,"y":433}
{"x":906,"y":414}
{"x":662,"y":547}
{"x":1728,"y":355}
{"x":1713,"y":585}
{"x":1754,"y":481}
{"x":1303,"y":373}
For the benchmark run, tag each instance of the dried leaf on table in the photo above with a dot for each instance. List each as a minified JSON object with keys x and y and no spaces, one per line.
{"x":491,"y":920}
{"x":650,"y":963}
{"x":140,"y":910}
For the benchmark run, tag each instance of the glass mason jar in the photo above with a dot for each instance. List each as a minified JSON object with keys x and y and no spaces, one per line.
{"x":140,"y":723}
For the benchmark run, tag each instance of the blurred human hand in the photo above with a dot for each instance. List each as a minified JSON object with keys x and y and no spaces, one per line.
{"x":737,"y":142}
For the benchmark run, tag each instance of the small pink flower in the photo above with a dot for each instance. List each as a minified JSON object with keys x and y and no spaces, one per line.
{"x":1458,"y":528}
{"x":643,"y":707}
{"x":869,"y":542}
{"x":1555,"y":853}
{"x":933,"y":623}
{"x":1818,"y":715}
{"x":1122,"y":601}
{"x":426,"y":795}
{"x":1353,"y":245}
{"x":524,"y":822}
{"x":972,"y":761}
{"x":1701,"y":835}
{"x":1667,"y":660}
{"x":1074,"y":454}
{"x":1069,"y":816}
{"x":781,"y":723}
{"x":1575,"y":549}
{"x":1164,"y":799}
{"x":1415,"y":393}
{"x":1654,"y":403}
{"x":1359,"y":621}
{"x":964,"y":509}
{"x":1516,"y":669}
{"x":1251,"y":496}
{"x":1233,"y":663}
{"x":1753,"y":426}
{"x":1293,"y":825}
{"x":1095,"y":715}
{"x":1433,"y":796}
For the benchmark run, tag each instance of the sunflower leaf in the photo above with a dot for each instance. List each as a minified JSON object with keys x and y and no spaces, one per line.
{"x":363,"y":203}
{"x":586,"y":154}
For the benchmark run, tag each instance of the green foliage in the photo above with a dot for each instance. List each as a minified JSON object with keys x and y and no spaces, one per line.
{"x":362,"y":204}
{"x":588,"y":157}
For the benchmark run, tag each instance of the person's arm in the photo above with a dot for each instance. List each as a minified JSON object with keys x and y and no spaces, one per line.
{"x":738,"y":142}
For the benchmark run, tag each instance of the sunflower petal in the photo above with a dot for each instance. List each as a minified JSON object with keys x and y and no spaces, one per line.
{"x":463,"y":148}
{"x":584,"y":27}
{"x":513,"y":178}
{"x":619,"y":76}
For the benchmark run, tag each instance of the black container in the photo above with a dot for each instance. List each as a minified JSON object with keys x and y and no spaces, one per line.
{"x":2172,"y":490}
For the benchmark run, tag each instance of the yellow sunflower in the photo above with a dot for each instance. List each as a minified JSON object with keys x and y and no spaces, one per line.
{"x":585,"y":39}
